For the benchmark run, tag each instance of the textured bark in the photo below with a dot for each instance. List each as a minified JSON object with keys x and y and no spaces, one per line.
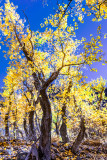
{"x":14,"y":129}
{"x":57,"y":128}
{"x":7,"y":124}
{"x":33,"y":154}
{"x":37,"y":123}
{"x":32,"y":133}
{"x":44,"y":152}
{"x":63,"y":129}
{"x":7,"y":117}
{"x":19,"y":131}
{"x":45,"y":137}
{"x":25,"y":127}
{"x":80,"y":137}
{"x":57,"y":123}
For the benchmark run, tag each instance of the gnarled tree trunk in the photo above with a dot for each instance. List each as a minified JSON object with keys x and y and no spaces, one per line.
{"x":43,"y":151}
{"x":32,"y":133}
{"x":63,"y":129}
{"x":45,"y":137}
{"x":25,"y":127}
{"x":80,"y":137}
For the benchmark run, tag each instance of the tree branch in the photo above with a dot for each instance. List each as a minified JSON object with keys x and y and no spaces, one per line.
{"x":30,"y":32}
{"x":64,"y":12}
{"x":22,"y":46}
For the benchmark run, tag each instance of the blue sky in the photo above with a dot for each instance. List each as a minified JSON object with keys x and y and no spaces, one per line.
{"x":36,"y":12}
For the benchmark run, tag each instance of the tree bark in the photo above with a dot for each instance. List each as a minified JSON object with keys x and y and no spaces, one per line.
{"x":7,"y":117}
{"x":19,"y":131}
{"x":37,"y":123}
{"x":33,"y":154}
{"x":14,"y":129}
{"x":7,"y":124}
{"x":80,"y":137}
{"x":57,"y":125}
{"x":45,"y":137}
{"x":25,"y":127}
{"x":32,"y":133}
{"x":63,"y":129}
{"x":57,"y":128}
{"x":44,"y":149}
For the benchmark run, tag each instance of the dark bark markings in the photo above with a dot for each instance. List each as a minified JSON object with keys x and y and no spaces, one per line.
{"x":25,"y":126}
{"x":32,"y":133}
{"x":7,"y":124}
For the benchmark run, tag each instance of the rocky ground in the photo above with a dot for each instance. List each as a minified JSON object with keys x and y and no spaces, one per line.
{"x":88,"y":150}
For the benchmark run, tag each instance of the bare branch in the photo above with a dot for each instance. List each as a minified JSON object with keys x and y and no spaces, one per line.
{"x":27,"y":99}
{"x":64,"y":12}
{"x":22,"y":46}
{"x":30,"y":32}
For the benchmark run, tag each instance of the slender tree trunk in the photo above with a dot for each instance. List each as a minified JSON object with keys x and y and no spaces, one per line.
{"x":57,"y":125}
{"x":14,"y":129}
{"x":15,"y":123}
{"x":45,"y":137}
{"x":7,"y":117}
{"x":80,"y":137}
{"x":37,"y":123}
{"x":25,"y":127}
{"x":19,"y":131}
{"x":57,"y":128}
{"x":7,"y":124}
{"x":32,"y":133}
{"x":63,"y":129}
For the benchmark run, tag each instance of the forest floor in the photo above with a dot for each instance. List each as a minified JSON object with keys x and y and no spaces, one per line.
{"x":88,"y":150}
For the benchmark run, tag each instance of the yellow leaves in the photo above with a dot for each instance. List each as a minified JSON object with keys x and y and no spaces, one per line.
{"x":80,"y":18}
{"x":100,"y":45}
{"x":90,"y":2}
{"x":60,"y":18}
{"x":103,"y":64}
{"x":99,"y":7}
{"x":76,"y":24}
{"x":93,"y":69}
{"x":7,"y":5}
{"x":46,"y":22}
{"x":11,"y":57}
{"x":6,"y":32}
{"x":83,"y":39}
{"x":105,"y":35}
{"x":83,"y":9}
{"x":4,"y":51}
